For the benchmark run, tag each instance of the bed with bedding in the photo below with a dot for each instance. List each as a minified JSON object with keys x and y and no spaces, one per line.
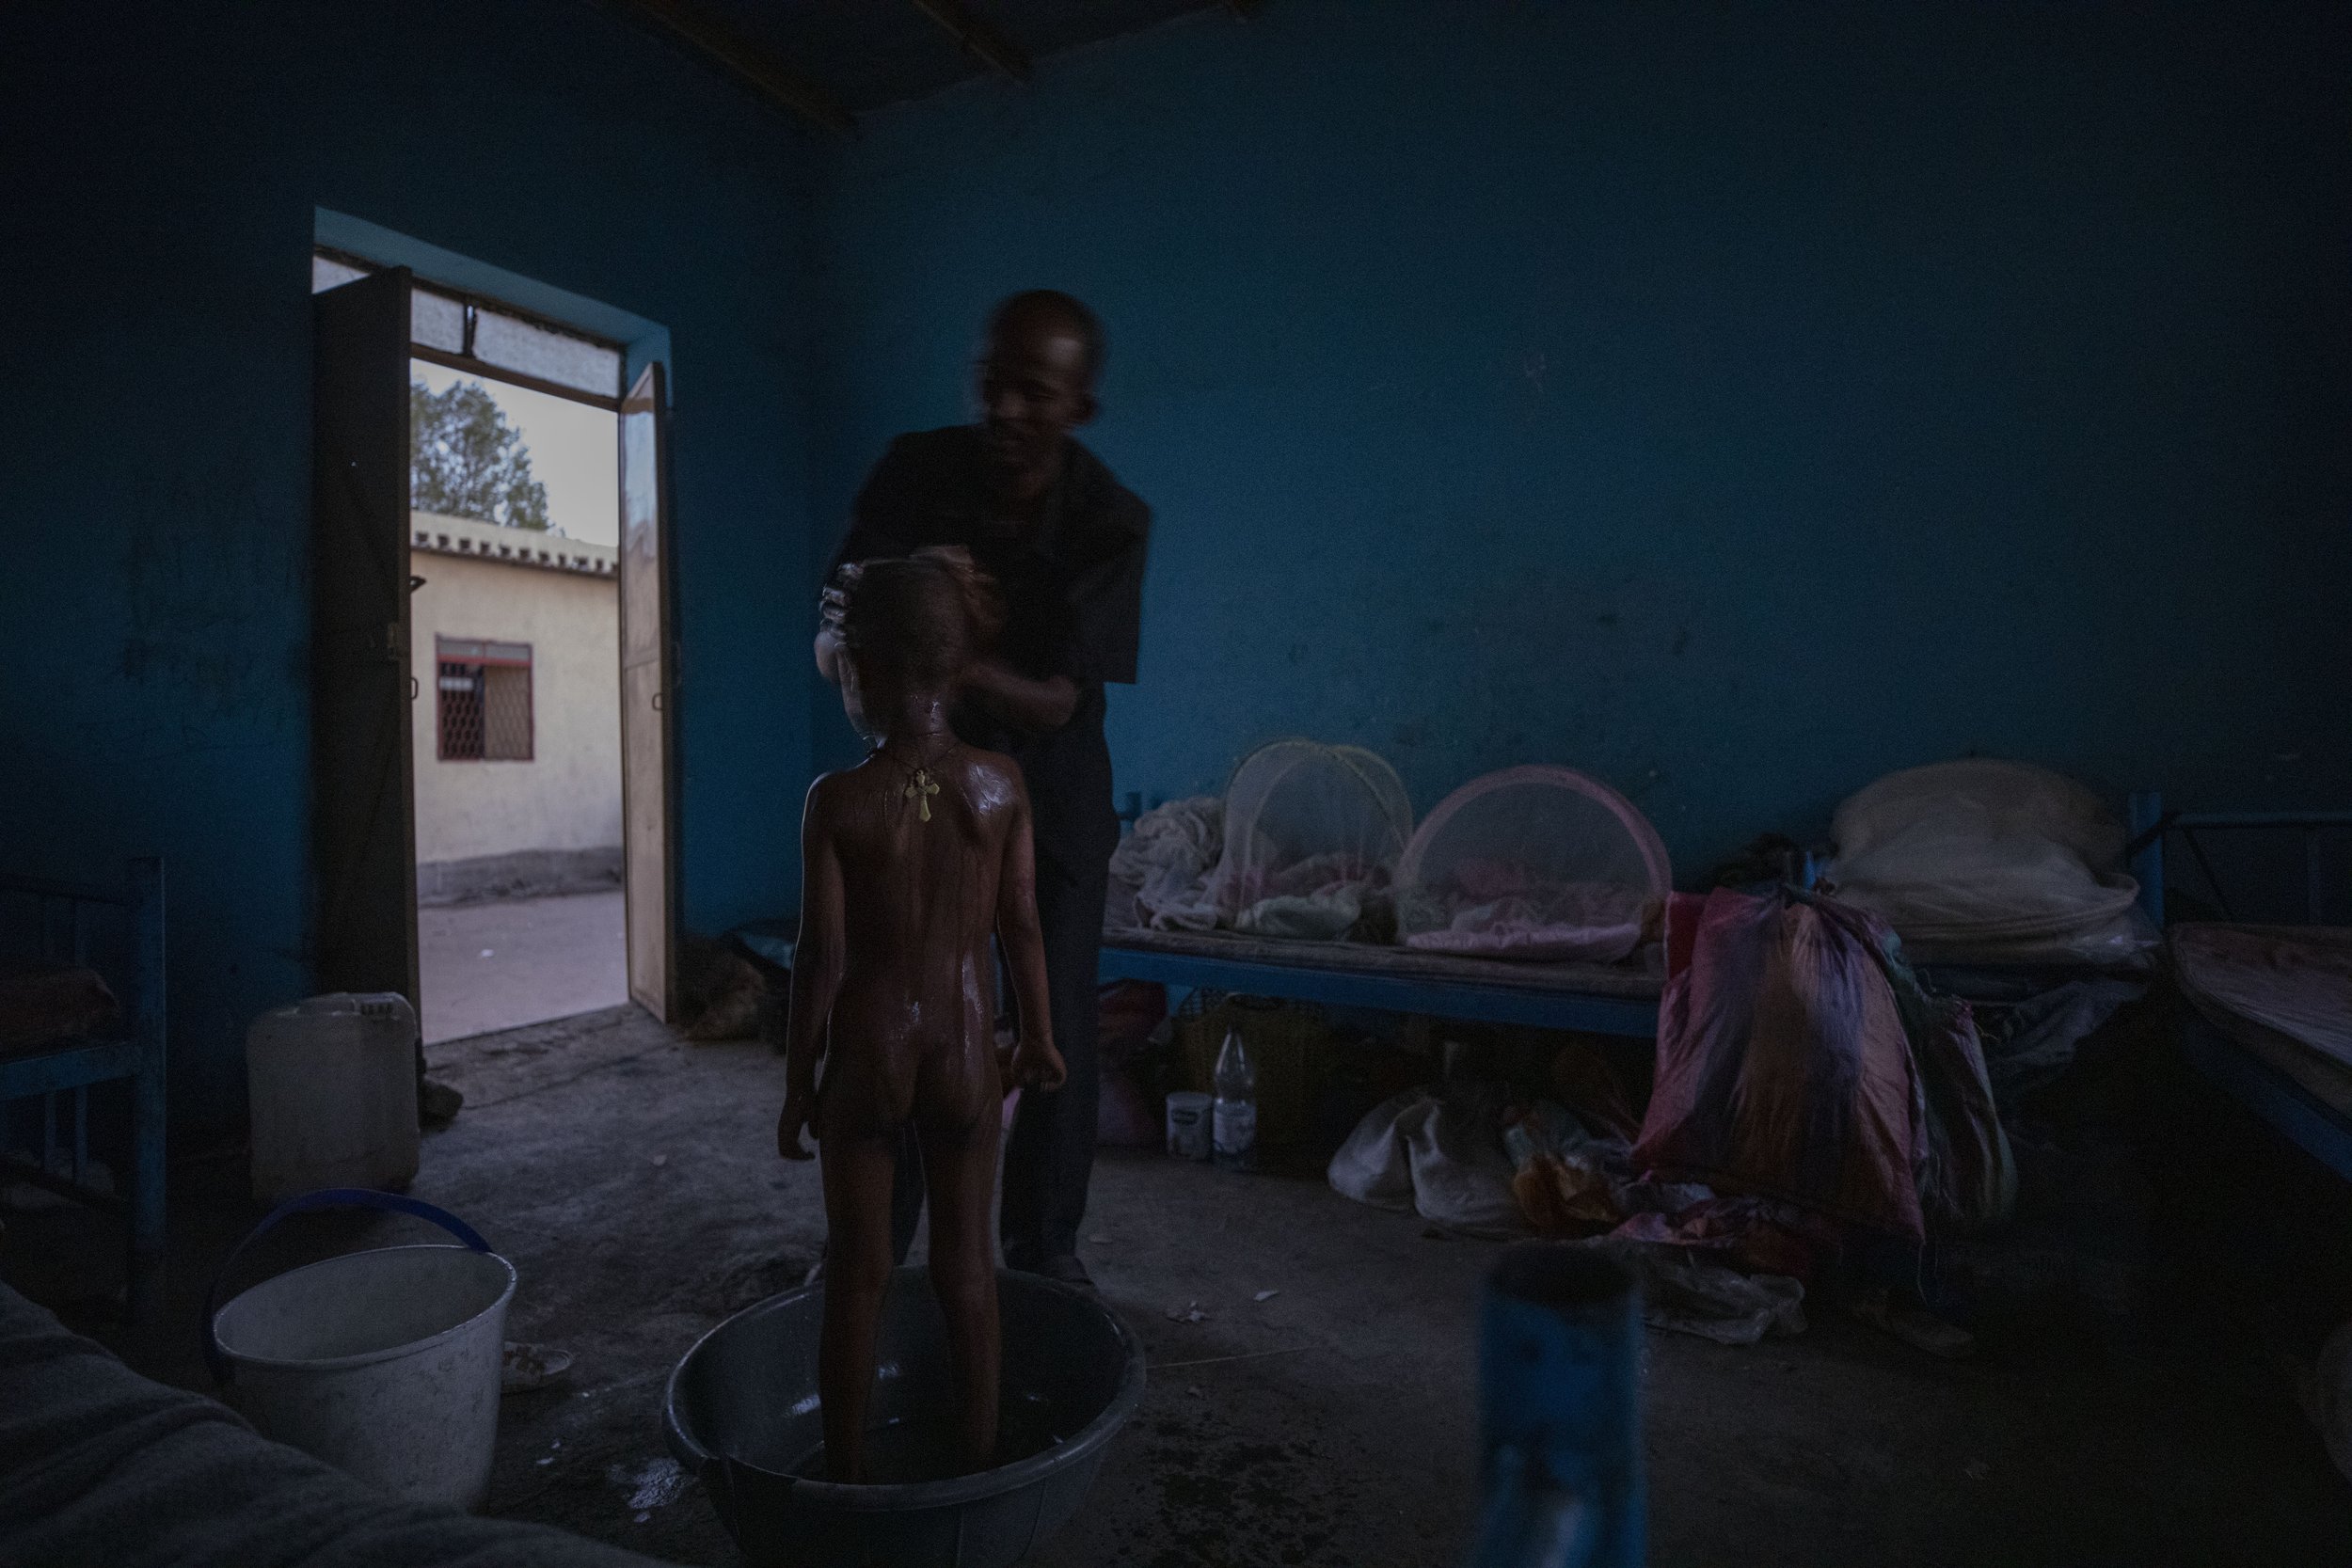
{"x":2271,"y":1005}
{"x":66,"y":1027}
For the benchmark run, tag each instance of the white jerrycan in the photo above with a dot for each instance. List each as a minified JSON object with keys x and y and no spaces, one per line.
{"x":333,"y":1087}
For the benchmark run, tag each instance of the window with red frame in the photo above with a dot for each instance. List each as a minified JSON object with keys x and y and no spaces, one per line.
{"x":484,"y":700}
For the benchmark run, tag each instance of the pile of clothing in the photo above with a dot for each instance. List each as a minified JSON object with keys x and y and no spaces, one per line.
{"x":1333,"y":897}
{"x":1173,"y":874}
{"x":1160,"y":872}
{"x":1808,"y":1092}
{"x":1498,"y":910}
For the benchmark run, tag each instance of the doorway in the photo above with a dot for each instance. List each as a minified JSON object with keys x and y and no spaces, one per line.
{"x":494,"y":841}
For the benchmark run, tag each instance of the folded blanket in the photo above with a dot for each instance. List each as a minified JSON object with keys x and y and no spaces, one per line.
{"x":100,"y":1466}
{"x":43,"y":1006}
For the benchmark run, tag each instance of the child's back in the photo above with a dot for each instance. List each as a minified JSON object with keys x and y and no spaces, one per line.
{"x":910,"y":861}
{"x":919,"y":847}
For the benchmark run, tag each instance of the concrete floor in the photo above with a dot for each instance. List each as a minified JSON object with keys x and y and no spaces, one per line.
{"x":632,"y":1178}
{"x":511,"y":961}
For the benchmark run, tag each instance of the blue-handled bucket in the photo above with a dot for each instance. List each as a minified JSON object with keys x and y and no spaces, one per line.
{"x":385,"y":1363}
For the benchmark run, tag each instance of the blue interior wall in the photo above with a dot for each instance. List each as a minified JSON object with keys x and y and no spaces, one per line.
{"x":157,"y":197}
{"x":1736,"y":402}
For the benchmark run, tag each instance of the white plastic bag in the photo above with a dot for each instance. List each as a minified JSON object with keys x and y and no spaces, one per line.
{"x":1435,"y":1157}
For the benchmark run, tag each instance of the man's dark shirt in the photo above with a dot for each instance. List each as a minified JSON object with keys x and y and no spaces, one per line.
{"x":1074,"y":592}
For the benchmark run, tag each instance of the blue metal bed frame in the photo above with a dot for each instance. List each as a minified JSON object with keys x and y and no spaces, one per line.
{"x":2318,"y":1129}
{"x":1477,"y":1001}
{"x":72,"y":1069}
{"x":1466,"y":989}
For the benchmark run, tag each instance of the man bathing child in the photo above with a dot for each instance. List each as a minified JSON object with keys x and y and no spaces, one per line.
{"x":909,"y":862}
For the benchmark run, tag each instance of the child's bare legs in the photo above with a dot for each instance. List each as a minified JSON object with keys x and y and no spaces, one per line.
{"x":857,"y":1273}
{"x":960,"y":1164}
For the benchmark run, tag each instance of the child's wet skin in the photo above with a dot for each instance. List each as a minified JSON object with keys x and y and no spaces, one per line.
{"x":911,"y":863}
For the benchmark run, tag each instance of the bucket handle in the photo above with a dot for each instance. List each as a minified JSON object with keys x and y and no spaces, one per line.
{"x":325,"y":1197}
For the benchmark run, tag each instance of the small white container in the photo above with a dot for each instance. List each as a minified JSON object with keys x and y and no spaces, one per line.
{"x":333,"y":1087}
{"x":1188,"y":1124}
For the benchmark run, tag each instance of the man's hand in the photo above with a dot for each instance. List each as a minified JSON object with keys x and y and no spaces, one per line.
{"x":834,"y":602}
{"x":1036,"y":1065}
{"x":832,"y":605}
{"x":798,"y":1110}
{"x":1032,"y":706}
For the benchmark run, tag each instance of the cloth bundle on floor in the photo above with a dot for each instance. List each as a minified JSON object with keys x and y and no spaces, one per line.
{"x":1798,"y":1057}
{"x":1438,"y":1158}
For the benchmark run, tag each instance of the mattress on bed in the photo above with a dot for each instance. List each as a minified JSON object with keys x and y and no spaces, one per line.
{"x":2282,"y":993}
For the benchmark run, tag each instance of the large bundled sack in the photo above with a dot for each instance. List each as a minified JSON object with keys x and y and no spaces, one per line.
{"x":1797,"y":1058}
{"x":1990,"y":861}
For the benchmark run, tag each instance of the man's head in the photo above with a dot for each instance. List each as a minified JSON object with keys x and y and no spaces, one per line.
{"x":1037,"y":371}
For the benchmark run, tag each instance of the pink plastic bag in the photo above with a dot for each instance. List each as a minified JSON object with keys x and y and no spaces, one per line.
{"x":1782,"y":1062}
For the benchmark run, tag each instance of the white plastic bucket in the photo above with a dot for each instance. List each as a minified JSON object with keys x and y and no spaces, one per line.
{"x":384,"y":1364}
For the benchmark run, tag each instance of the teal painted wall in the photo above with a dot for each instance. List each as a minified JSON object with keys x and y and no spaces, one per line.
{"x":157,"y":197}
{"x":1736,"y":402}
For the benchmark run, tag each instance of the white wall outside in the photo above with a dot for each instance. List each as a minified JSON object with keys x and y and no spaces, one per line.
{"x":560,"y":595}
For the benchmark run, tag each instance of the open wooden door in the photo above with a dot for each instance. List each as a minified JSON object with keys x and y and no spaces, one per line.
{"x":363,"y":825}
{"x":649,"y":843}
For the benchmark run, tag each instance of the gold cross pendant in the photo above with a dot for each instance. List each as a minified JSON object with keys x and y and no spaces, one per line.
{"x":920,"y":789}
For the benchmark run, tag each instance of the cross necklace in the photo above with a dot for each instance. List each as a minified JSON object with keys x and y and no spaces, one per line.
{"x":920,"y":785}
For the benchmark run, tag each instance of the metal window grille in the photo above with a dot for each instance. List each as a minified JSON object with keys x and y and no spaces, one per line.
{"x":461,"y":711}
{"x":485,"y":701}
{"x":464,"y":331}
{"x":506,"y":712}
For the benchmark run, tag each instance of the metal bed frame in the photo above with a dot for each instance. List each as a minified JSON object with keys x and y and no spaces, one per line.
{"x":1483,"y":990}
{"x":2318,"y":1129}
{"x":68,"y":1071}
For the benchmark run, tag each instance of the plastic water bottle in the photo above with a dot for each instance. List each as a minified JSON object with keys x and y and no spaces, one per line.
{"x":1234,"y":1118}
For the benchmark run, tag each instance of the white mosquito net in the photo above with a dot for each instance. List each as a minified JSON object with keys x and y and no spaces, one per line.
{"x":1990,"y":861}
{"x":1312,"y":837}
{"x":1532,"y":863}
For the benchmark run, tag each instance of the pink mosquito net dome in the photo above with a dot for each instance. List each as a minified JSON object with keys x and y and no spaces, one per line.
{"x":1531,"y":863}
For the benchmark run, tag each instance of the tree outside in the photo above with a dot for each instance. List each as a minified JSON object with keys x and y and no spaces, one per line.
{"x":465,"y":461}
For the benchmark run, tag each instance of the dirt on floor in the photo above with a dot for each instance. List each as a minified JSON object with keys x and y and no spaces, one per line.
{"x":633,"y":1181}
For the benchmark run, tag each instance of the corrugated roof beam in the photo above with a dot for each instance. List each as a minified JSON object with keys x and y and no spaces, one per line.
{"x":762,"y":72}
{"x":979,"y":35}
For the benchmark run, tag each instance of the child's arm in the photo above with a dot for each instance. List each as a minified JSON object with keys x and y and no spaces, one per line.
{"x":1035,"y":1065}
{"x":816,"y":977}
